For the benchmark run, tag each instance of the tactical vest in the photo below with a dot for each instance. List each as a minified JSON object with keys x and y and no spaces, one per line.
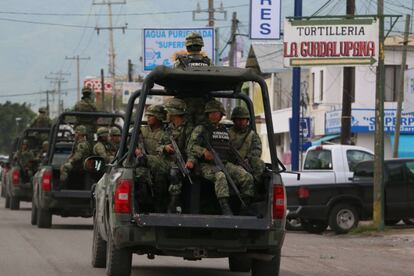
{"x":194,"y":60}
{"x":220,"y":141}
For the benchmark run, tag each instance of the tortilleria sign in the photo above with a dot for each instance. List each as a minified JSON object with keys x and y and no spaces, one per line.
{"x":313,"y":42}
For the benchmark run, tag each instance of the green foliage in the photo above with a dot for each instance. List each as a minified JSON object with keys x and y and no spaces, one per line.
{"x":9,"y":126}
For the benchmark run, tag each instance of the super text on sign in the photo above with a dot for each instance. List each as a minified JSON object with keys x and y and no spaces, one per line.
{"x":331,"y":42}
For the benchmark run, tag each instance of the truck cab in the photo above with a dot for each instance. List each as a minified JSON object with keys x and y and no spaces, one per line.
{"x":121,"y":228}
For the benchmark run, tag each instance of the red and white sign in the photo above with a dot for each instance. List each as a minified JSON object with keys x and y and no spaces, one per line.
{"x":325,"y":42}
{"x":96,"y":85}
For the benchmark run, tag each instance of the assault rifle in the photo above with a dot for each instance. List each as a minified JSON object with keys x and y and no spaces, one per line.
{"x":180,"y":160}
{"x":244,"y":163}
{"x":222,"y":168}
{"x":141,"y":145}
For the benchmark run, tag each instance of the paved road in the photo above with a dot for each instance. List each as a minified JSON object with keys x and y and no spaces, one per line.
{"x":65,"y":250}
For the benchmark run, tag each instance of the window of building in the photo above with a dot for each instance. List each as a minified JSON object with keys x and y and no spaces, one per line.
{"x":392,"y":75}
{"x":321,"y":87}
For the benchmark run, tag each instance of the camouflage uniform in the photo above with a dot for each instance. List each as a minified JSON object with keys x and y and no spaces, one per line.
{"x":247,"y":143}
{"x":82,"y":149}
{"x":42,"y":120}
{"x":103,"y":148}
{"x":115,"y":132}
{"x":193,"y":42}
{"x":218,"y":137}
{"x":25,"y":159}
{"x":87,"y":104}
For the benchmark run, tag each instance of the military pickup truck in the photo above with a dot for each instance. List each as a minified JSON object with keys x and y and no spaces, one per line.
{"x":249,"y":241}
{"x":72,"y":198}
{"x":343,"y":205}
{"x":18,"y":179}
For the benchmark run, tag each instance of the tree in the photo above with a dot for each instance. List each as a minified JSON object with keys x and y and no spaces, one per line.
{"x":10,"y":124}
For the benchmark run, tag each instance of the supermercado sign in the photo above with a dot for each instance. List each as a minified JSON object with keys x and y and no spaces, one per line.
{"x":363,"y":120}
{"x":160,"y":45}
{"x":331,"y":42}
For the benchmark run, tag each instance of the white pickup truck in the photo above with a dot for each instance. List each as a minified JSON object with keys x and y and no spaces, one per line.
{"x":328,"y":164}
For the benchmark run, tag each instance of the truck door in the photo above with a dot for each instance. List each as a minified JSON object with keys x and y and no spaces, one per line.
{"x":353,"y":157}
{"x":396,"y":190}
{"x":409,"y":172}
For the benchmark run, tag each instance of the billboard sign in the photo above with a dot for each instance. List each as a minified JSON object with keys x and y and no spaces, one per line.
{"x":265,"y":18}
{"x":161,"y":45}
{"x":324,"y":42}
{"x":96,"y":85}
{"x":363,"y":120}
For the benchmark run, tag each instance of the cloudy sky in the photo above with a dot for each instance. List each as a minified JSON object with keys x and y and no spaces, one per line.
{"x":36,"y":36}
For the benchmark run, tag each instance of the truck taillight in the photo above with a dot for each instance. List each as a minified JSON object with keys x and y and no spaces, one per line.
{"x":47,"y":181}
{"x":16,"y":177}
{"x":303,"y":193}
{"x":279,"y":201}
{"x":122,"y":200}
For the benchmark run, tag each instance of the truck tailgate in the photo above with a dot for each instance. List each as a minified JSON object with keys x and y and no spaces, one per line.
{"x":72,"y":194}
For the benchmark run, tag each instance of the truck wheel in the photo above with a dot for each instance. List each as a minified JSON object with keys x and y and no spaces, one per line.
{"x":98,"y":248}
{"x":342,"y":218}
{"x":409,"y":221}
{"x":44,"y":218}
{"x":118,"y":260}
{"x":314,"y":226}
{"x":239,"y":264}
{"x":294,"y":224}
{"x":33,"y":219}
{"x":14,"y":203}
{"x":266,"y":268}
{"x":7,"y":202}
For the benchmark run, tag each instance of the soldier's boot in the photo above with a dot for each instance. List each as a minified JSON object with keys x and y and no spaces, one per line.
{"x":225,"y":206}
{"x":174,"y":206}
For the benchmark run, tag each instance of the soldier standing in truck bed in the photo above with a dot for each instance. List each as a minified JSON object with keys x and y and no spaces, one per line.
{"x":87,"y":104}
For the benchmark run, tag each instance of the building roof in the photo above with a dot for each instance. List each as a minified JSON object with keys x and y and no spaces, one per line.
{"x":396,"y":41}
{"x":266,"y":58}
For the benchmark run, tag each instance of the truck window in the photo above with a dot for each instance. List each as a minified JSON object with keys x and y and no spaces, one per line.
{"x":363,"y":170}
{"x":410,"y":171}
{"x":318,"y":160}
{"x":356,"y":156}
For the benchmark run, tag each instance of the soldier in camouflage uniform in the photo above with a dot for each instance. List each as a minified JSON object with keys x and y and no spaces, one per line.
{"x":246,"y":142}
{"x":180,"y":129}
{"x":87,"y":104}
{"x":25,"y":158}
{"x":218,"y":137}
{"x":103,"y":148}
{"x":43,"y":151}
{"x":42,"y":120}
{"x":81,"y":150}
{"x":115,"y":140}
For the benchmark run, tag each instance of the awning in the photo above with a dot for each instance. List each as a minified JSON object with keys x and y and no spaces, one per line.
{"x":324,"y":139}
{"x":405,"y":145}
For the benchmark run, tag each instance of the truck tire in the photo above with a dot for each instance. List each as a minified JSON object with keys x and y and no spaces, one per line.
{"x":98,"y":248}
{"x":7,"y":202}
{"x":44,"y":218}
{"x":266,"y":267}
{"x":343,"y":217}
{"x":33,"y":219}
{"x":314,"y":226}
{"x":14,"y":203}
{"x":239,"y":264}
{"x":118,"y":260}
{"x":409,"y":221}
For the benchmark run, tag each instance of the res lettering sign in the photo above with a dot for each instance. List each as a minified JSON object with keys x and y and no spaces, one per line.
{"x":331,"y":42}
{"x":265,"y":19}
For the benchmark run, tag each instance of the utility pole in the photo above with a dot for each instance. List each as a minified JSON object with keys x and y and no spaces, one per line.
{"x":130,"y":69}
{"x":294,"y":131}
{"x":103,"y":89}
{"x":401,"y":91}
{"x":233,"y":41}
{"x":378,"y":210}
{"x":59,"y":79}
{"x":111,"y":44}
{"x":348,"y":89}
{"x":78,"y":59}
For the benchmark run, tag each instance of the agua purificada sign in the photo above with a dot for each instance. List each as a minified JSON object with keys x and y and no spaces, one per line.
{"x":314,"y":42}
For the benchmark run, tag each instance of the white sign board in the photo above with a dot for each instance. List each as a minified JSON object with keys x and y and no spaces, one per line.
{"x":265,"y":18}
{"x":128,"y":88}
{"x":96,"y":85}
{"x":161,"y":45}
{"x":408,"y":103}
{"x":331,"y":42}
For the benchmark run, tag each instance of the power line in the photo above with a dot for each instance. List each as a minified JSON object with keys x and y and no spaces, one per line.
{"x":31,"y":93}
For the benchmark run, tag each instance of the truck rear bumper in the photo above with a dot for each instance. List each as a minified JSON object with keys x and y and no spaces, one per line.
{"x":22,"y":191}
{"x":307,"y":212}
{"x":68,"y":203}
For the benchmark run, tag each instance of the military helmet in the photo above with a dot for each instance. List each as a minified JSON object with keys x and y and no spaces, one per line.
{"x":176,"y":106}
{"x":25,"y":142}
{"x":213,"y":106}
{"x":80,"y":130}
{"x":194,"y":39}
{"x":102,"y":131}
{"x":240,"y":112}
{"x":115,"y":131}
{"x":86,"y":90}
{"x":45,"y":143}
{"x":157,"y":111}
{"x":42,"y":110}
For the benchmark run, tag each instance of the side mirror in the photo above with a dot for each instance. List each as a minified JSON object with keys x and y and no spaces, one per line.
{"x":94,"y":164}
